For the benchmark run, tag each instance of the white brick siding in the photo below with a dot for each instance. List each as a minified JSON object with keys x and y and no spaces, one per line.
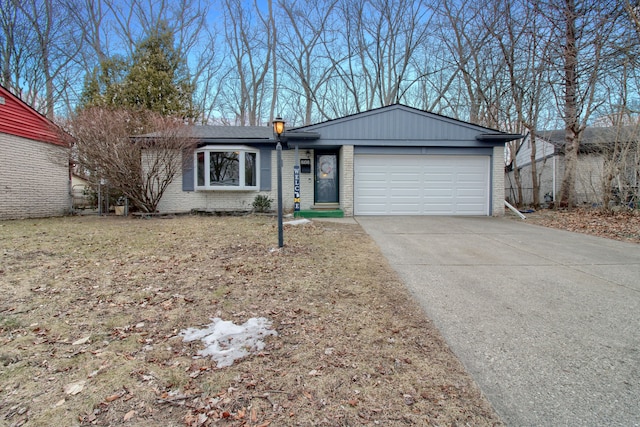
{"x":497,"y":181}
{"x":34,"y":178}
{"x":306,"y":179}
{"x":176,"y":200}
{"x":346,"y":179}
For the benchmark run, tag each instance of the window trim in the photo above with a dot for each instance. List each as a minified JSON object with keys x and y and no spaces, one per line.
{"x":241,"y":149}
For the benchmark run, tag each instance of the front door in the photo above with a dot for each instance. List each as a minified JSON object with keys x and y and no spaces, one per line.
{"x":326,"y":178}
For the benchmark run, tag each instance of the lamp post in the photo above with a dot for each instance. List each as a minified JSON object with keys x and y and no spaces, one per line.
{"x":278,"y":128}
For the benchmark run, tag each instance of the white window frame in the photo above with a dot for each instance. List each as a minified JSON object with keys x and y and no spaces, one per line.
{"x":241,"y":150}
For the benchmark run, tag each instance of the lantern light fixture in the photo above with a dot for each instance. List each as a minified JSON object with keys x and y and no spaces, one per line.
{"x":278,"y":126}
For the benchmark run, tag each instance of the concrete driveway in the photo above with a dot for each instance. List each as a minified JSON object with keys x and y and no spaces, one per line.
{"x":546,"y":321}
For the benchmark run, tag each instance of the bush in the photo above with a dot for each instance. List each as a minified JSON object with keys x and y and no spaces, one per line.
{"x":262,"y":203}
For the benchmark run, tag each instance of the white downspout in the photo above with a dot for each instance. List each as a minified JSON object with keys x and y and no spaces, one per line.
{"x":516,"y":211}
{"x":554,"y":178}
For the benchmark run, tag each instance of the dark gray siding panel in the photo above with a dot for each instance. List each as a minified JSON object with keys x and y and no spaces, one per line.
{"x":336,"y":143}
{"x":187,"y":173}
{"x":265,"y":169}
{"x":397,"y":124}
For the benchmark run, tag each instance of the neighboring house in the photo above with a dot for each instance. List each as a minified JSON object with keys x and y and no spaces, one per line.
{"x":34,"y":163}
{"x":602,"y":149}
{"x":81,"y":193}
{"x":393,"y":160}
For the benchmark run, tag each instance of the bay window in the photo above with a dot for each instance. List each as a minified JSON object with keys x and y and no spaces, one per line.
{"x":227,"y":168}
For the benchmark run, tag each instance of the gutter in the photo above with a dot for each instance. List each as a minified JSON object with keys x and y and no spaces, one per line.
{"x":498,"y":137}
{"x":299,"y":136}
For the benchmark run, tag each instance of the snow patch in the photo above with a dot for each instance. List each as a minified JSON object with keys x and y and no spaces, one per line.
{"x":226,"y":342}
{"x":298,"y":222}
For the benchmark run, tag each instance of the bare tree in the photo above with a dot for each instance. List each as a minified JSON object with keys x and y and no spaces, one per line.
{"x":142,"y":167}
{"x":573,"y":129}
{"x":250,"y":45}
{"x":633,"y":11}
{"x":619,"y":139}
{"x":136,"y":19}
{"x":301,"y":41}
{"x":586,"y":33}
{"x":476,"y":88}
{"x":113,"y":27}
{"x":620,"y":167}
{"x":207,"y":76}
{"x":377,"y":42}
{"x":15,"y":37}
{"x":525,"y":48}
{"x":397,"y":30}
{"x":38,"y":50}
{"x":329,"y":58}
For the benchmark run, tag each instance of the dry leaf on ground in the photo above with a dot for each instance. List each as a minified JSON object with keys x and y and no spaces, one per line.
{"x":352,"y":348}
{"x":623,"y":225}
{"x":74,"y":388}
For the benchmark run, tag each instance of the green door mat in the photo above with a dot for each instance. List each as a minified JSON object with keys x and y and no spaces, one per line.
{"x":333,"y":213}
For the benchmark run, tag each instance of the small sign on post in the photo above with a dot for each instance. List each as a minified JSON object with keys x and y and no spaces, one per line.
{"x":296,"y":188}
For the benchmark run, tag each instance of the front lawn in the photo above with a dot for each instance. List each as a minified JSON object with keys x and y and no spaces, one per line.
{"x":92,"y":310}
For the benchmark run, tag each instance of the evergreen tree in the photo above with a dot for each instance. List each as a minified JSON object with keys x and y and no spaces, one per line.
{"x":155,"y":79}
{"x":103,"y":86}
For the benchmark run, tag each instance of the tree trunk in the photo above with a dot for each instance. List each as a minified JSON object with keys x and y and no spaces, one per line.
{"x":535,"y":182}
{"x":513,"y":149}
{"x":572,"y":140}
{"x":518,"y":179}
{"x":568,"y":186}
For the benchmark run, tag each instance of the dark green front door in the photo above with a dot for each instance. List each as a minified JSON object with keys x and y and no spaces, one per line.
{"x":326,"y":178}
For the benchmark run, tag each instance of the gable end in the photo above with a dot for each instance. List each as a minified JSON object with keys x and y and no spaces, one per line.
{"x":19,"y":119}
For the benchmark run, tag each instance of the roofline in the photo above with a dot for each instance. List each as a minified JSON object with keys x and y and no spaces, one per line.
{"x":63,"y":137}
{"x":200,"y":141}
{"x":402,"y":106}
{"x":499,"y":137}
{"x":295,"y":135}
{"x":288,"y":135}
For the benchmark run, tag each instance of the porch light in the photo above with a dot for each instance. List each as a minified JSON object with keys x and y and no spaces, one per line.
{"x":278,"y":128}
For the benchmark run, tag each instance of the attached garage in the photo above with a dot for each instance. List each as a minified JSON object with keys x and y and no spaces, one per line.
{"x":397,"y":160}
{"x":421,"y":184}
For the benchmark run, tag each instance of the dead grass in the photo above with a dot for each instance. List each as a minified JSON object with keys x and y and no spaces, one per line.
{"x":98,"y":303}
{"x":623,"y":225}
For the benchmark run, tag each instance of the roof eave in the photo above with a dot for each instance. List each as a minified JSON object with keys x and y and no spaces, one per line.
{"x":498,"y":137}
{"x":293,"y":136}
{"x":204,"y":141}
